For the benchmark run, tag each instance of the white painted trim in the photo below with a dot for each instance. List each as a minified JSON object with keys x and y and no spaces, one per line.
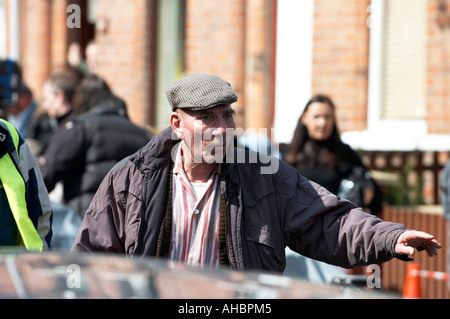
{"x":293,"y":86}
{"x":14,"y":34}
{"x":384,"y":134}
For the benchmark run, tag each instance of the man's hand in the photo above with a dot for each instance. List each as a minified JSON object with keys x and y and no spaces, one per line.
{"x":411,"y":239}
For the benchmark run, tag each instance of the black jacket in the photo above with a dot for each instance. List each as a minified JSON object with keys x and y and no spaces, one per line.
{"x":86,"y":148}
{"x":269,"y":206}
{"x":342,"y":164}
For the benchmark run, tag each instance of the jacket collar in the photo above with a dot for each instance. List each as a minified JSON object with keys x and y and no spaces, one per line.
{"x":157,"y":153}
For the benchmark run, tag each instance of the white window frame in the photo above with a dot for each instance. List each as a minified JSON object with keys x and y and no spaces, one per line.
{"x":294,"y":62}
{"x":9,"y":40}
{"x":388,"y":134}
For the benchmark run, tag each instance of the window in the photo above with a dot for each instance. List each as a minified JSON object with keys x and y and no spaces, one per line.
{"x":404,"y":60}
{"x":397,"y":79}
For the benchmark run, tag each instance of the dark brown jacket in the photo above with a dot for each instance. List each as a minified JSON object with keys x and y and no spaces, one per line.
{"x":264,"y":213}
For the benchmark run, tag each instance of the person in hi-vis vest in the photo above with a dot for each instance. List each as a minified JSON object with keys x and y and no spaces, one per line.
{"x":25,"y":211}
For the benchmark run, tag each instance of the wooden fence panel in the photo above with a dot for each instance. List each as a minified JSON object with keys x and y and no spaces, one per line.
{"x":429,"y":219}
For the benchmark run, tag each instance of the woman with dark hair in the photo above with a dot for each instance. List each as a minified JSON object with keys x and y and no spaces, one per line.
{"x":317,"y":151}
{"x":319,"y":154}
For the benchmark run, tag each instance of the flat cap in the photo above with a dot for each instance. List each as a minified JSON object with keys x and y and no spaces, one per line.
{"x":200,"y":91}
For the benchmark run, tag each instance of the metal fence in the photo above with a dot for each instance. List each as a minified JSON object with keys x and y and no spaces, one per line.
{"x":414,"y":175}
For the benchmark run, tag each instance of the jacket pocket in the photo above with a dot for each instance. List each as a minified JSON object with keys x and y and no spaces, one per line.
{"x":130,"y":248}
{"x":130,"y":238}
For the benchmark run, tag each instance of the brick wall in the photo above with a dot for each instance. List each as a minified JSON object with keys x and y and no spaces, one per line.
{"x":123,"y":47}
{"x":124,"y":51}
{"x":340,"y":58}
{"x":43,"y":35}
{"x":35,"y":39}
{"x":340,"y":66}
{"x":58,"y":29}
{"x":438,"y":82}
{"x":214,"y":44}
{"x":258,"y":65}
{"x":232,"y":39}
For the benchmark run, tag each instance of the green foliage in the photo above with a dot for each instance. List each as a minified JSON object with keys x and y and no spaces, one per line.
{"x":404,"y":192}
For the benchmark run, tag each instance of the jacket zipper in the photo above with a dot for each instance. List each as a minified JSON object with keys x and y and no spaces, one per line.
{"x":233,"y":258}
{"x":142,"y":213}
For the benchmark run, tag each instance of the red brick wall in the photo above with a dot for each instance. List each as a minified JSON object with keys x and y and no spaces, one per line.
{"x":438,"y":82}
{"x":43,"y":46}
{"x":341,"y":62}
{"x":340,"y":58}
{"x":35,"y":39}
{"x":258,"y":64}
{"x":124,"y":51}
{"x":58,"y":28}
{"x":233,"y":40}
{"x":215,"y":35}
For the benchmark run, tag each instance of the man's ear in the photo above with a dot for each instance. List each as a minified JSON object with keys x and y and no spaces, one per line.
{"x":175,"y":123}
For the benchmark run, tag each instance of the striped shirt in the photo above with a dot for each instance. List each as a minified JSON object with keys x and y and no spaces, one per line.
{"x":195,"y":220}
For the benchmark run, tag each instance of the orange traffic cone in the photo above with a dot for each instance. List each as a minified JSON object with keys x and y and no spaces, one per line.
{"x":412,"y":288}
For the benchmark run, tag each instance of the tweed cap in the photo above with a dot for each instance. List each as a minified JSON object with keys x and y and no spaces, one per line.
{"x":200,"y":91}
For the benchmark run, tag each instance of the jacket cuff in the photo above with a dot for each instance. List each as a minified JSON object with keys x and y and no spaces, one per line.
{"x":391,"y":241}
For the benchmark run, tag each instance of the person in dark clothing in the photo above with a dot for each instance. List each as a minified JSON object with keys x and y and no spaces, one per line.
{"x":98,"y":137}
{"x":56,"y":109}
{"x":319,"y":154}
{"x":190,"y":196}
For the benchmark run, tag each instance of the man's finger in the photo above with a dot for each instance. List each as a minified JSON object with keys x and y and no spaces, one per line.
{"x":405,"y":250}
{"x":431,"y":250}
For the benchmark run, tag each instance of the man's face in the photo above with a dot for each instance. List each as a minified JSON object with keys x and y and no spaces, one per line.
{"x":204,"y":132}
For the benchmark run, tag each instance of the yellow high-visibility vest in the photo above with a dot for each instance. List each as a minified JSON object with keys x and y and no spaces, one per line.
{"x":14,"y":186}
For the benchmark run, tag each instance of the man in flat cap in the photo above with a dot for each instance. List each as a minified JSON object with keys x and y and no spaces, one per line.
{"x":190,"y":196}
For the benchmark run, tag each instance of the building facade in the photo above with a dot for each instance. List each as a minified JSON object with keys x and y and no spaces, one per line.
{"x":384,"y":63}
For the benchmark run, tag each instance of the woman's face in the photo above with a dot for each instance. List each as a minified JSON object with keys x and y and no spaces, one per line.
{"x":319,"y":120}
